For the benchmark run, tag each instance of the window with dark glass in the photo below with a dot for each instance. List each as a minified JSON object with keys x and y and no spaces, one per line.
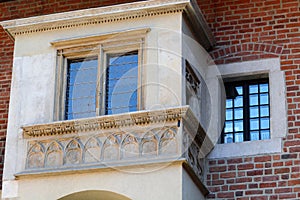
{"x":247,"y":111}
{"x":117,"y":93}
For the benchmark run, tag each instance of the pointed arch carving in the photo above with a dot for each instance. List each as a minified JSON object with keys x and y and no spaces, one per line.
{"x":149,"y":144}
{"x":92,"y":150}
{"x":130,"y":147}
{"x":36,"y":156}
{"x":73,"y":152}
{"x":54,"y":155}
{"x":168,"y":142}
{"x":111,"y":148}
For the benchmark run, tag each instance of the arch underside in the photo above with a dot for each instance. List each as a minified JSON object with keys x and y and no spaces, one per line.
{"x":94,"y":195}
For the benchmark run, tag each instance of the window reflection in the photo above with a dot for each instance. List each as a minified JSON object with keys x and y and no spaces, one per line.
{"x":247,"y":112}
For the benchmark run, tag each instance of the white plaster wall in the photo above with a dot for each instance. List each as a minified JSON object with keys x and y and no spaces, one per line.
{"x":189,"y":190}
{"x":151,"y":184}
{"x":33,"y":89}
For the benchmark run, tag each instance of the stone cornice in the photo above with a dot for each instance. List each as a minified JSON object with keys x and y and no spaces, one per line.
{"x":112,"y":14}
{"x":93,"y":16}
{"x":108,"y":122}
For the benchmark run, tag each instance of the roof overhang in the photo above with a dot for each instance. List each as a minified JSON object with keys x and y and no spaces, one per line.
{"x":111,"y":14}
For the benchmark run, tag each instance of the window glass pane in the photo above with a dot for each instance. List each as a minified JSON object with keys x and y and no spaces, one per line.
{"x":264,"y":123}
{"x":239,"y":89}
{"x":81,"y":88}
{"x":239,"y":137}
{"x":228,"y":114}
{"x":254,"y":111}
{"x":264,"y":98}
{"x":228,"y":103}
{"x":263,"y":87}
{"x":254,"y":135}
{"x":254,"y":124}
{"x":228,"y":138}
{"x":238,"y":125}
{"x":264,"y":111}
{"x":253,"y":89}
{"x":238,"y":101}
{"x":121,"y":83}
{"x":228,"y":127}
{"x":238,"y":113}
{"x":253,"y":100}
{"x":265,"y":134}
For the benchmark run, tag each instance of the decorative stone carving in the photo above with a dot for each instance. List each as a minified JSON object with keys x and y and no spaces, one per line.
{"x":168,"y":142}
{"x":107,"y":140}
{"x":111,"y":148}
{"x":149,"y":144}
{"x":130,"y":147}
{"x":54,"y":155}
{"x":105,"y":122}
{"x":73,"y":153}
{"x":36,"y":156}
{"x":92,"y":151}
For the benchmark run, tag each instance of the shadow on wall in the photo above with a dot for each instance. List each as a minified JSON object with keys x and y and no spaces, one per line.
{"x":94,"y":195}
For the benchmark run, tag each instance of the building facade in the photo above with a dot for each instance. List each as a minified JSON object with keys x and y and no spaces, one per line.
{"x":172,"y":143}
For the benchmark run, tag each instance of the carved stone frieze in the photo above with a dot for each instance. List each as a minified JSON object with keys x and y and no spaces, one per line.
{"x":145,"y":136}
{"x":105,"y":122}
{"x":102,"y":148}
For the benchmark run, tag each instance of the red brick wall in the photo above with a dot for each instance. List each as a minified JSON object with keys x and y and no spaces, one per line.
{"x":248,"y":30}
{"x":26,"y":8}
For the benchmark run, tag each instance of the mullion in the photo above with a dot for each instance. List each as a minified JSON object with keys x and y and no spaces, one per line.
{"x":258,"y":104}
{"x":246,"y":109}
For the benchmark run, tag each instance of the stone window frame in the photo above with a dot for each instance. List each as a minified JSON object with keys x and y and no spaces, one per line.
{"x":278,"y":108}
{"x":99,"y":46}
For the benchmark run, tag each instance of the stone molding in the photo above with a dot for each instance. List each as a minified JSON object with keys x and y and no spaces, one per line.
{"x":109,"y":122}
{"x":110,"y":14}
{"x":94,"y":16}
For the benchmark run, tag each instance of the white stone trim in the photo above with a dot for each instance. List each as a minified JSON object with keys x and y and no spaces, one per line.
{"x":278,"y":108}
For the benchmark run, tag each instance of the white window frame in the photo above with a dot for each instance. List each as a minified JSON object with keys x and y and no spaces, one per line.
{"x":278,"y":108}
{"x":99,"y":46}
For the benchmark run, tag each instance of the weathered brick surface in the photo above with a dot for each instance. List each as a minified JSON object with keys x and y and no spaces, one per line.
{"x":249,"y":30}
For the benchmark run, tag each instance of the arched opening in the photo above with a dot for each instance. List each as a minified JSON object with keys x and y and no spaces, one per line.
{"x":94,"y":195}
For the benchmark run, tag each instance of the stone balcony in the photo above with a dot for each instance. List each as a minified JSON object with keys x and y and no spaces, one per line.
{"x":136,"y":138}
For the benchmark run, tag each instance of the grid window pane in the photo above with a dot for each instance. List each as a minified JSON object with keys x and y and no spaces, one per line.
{"x":247,"y":111}
{"x":238,"y":113}
{"x":264,"y":98}
{"x":264,"y":88}
{"x":254,"y":124}
{"x":228,"y":127}
{"x":239,"y":137}
{"x":228,"y":138}
{"x":265,"y":134}
{"x":254,"y":135}
{"x":81,"y":89}
{"x":121,"y":83}
{"x":254,"y":111}
{"x":239,"y":89}
{"x":228,"y":114}
{"x":253,"y":100}
{"x":238,"y":101}
{"x":238,"y":125}
{"x":264,"y":111}
{"x":264,"y":123}
{"x":253,"y":89}
{"x":229,"y":103}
